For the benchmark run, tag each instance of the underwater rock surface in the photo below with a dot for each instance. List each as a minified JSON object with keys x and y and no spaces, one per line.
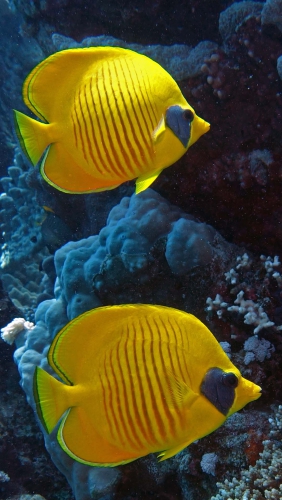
{"x":236,"y":167}
{"x":143,"y":22}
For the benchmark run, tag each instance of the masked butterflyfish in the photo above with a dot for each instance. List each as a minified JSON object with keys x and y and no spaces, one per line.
{"x":107,"y":115}
{"x":136,"y":379}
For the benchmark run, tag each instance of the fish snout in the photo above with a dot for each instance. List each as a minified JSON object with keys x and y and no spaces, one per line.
{"x":257,"y":391}
{"x":199,"y":128}
{"x":246,"y":392}
{"x":254,"y":391}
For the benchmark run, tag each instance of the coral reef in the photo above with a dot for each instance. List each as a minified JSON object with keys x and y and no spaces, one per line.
{"x":24,"y":463}
{"x":236,"y":168}
{"x":137,"y":256}
{"x":143,"y":22}
{"x":246,"y":312}
{"x":232,"y":18}
{"x":271,"y":13}
{"x":11,"y":331}
{"x":23,"y":458}
{"x":264,"y":479}
{"x":7,"y":309}
{"x":20,"y":216}
{"x":18,"y":56}
{"x":23,"y":247}
{"x":181,"y":61}
{"x":148,"y":248}
{"x":208,"y":463}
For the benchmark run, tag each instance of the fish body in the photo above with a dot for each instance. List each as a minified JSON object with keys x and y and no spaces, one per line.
{"x":110,"y":115}
{"x":137,"y":379}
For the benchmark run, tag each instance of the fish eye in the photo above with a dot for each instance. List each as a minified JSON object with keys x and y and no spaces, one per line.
{"x":188,"y":115}
{"x":230,"y":380}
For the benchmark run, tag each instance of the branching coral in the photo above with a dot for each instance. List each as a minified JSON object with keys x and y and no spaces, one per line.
{"x":10,"y":332}
{"x":264,"y":479}
{"x":251,"y":310}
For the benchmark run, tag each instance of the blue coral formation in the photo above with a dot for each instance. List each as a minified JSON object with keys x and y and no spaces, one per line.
{"x":143,"y":243}
{"x":205,"y":239}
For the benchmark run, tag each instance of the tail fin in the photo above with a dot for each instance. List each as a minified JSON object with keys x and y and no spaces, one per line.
{"x":50,"y":398}
{"x":33,"y":136}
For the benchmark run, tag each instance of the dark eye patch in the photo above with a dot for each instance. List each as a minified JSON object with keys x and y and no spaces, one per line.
{"x":219,"y":388}
{"x":230,"y":379}
{"x":188,"y":115}
{"x":179,"y":121}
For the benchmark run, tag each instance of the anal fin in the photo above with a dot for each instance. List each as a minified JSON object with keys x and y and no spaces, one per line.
{"x":172,"y":451}
{"x":145,"y":180}
{"x":60,"y":170}
{"x":81,"y":440}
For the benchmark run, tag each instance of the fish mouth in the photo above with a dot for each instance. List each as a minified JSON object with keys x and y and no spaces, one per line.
{"x":208,"y":126}
{"x":257,"y":394}
{"x":200,"y":127}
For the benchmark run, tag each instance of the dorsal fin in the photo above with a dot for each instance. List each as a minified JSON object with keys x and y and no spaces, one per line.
{"x":52,"y":82}
{"x":95,"y":329}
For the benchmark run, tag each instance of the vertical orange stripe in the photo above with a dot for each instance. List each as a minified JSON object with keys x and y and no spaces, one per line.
{"x":80,"y":130}
{"x":157,"y":415}
{"x":144,"y":404}
{"x":148,"y":146}
{"x":107,"y":406}
{"x":129,"y":144}
{"x":177,"y":343}
{"x":168,"y":415}
{"x":119,"y":402}
{"x":117,"y":137}
{"x":86,"y":130}
{"x":126,"y":396}
{"x":153,"y":123}
{"x":187,"y":375}
{"x":106,"y":168}
{"x":84,"y":122}
{"x":117,"y":168}
{"x":103,"y":145}
{"x":111,"y":406}
{"x":138,"y":419}
{"x":169,"y":342}
{"x":127,"y":159}
{"x":152,"y":105}
{"x":171,"y":367}
{"x":135,"y":136}
{"x":92,"y":130}
{"x":74,"y":130}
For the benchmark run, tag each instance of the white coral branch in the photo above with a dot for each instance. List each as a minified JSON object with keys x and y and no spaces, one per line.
{"x":10,"y":332}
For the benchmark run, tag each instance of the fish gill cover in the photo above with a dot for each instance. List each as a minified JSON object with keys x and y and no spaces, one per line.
{"x":205,"y":240}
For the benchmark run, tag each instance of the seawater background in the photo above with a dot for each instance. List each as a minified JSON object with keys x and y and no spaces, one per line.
{"x":156,"y":247}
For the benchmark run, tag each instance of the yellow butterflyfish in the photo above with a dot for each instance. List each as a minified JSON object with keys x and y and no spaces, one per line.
{"x":137,"y":379}
{"x":107,"y":115}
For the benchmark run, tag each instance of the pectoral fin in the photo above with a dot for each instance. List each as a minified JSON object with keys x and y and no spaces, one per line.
{"x":159,"y":131}
{"x":180,"y":394}
{"x":144,"y":181}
